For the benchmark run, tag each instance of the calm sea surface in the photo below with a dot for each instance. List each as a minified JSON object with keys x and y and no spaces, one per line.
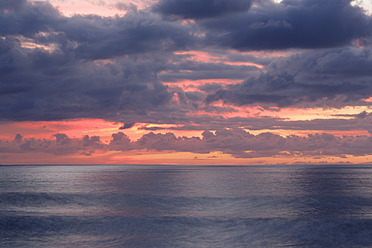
{"x":185,"y":206}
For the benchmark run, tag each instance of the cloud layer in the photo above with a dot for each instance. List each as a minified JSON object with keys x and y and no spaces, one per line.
{"x":56,"y":67}
{"x":223,"y":66}
{"x":235,"y":142}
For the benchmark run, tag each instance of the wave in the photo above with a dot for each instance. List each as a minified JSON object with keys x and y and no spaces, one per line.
{"x":185,"y":232}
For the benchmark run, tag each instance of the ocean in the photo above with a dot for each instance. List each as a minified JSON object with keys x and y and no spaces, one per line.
{"x":186,"y":206}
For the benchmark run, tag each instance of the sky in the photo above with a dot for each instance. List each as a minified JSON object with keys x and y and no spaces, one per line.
{"x":185,"y":82}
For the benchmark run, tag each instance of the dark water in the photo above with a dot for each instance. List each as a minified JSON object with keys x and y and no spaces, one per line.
{"x":185,"y":206}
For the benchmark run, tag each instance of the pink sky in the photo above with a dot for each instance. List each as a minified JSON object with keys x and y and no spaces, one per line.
{"x":131,"y":82}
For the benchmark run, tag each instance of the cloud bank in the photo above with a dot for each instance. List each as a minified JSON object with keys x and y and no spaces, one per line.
{"x":236,"y":142}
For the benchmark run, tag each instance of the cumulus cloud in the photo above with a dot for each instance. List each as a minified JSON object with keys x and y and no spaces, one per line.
{"x":60,"y":144}
{"x":236,"y":142}
{"x":242,"y":144}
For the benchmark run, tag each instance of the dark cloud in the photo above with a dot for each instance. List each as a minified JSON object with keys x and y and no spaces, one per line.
{"x":198,"y":70}
{"x":65,"y":73}
{"x":39,"y":86}
{"x":198,"y":9}
{"x":28,"y":19}
{"x":291,"y":24}
{"x":54,"y":67}
{"x":139,"y":32}
{"x":210,"y":87}
{"x":95,"y":37}
{"x":284,"y":91}
{"x":361,"y":115}
{"x":127,"y":125}
{"x":212,"y":122}
{"x":11,"y":4}
{"x":332,"y":77}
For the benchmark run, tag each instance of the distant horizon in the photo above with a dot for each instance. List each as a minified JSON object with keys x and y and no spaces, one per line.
{"x":207,"y":165}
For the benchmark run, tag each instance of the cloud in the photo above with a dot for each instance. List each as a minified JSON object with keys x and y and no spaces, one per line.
{"x":331,"y":77}
{"x":127,"y":125}
{"x":55,"y":67}
{"x":290,"y":24}
{"x":168,"y":141}
{"x":236,"y":142}
{"x":93,"y":36}
{"x":60,"y":145}
{"x":199,"y":9}
{"x":11,"y":4}
{"x":120,"y":142}
{"x":241,"y":144}
{"x":198,"y":70}
{"x":128,"y":7}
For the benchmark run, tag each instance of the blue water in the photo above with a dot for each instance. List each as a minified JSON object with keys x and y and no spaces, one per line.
{"x":185,"y":206}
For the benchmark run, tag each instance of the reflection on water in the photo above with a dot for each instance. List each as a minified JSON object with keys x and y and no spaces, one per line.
{"x":186,"y":206}
{"x":343,"y":192}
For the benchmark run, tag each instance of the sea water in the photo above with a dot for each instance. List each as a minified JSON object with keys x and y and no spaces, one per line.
{"x":185,"y":206}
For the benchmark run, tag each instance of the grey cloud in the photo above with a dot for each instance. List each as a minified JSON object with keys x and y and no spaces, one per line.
{"x":75,"y":80}
{"x":28,"y":19}
{"x":60,"y":145}
{"x":95,"y":37}
{"x":361,"y":115}
{"x":100,"y":38}
{"x":199,"y":70}
{"x":169,"y":141}
{"x":120,"y":142}
{"x":291,"y":24}
{"x":57,"y":88}
{"x":331,"y":77}
{"x":125,"y":6}
{"x":112,"y":67}
{"x":198,"y":9}
{"x":210,"y":87}
{"x":236,"y":142}
{"x":11,"y":4}
{"x":127,"y":125}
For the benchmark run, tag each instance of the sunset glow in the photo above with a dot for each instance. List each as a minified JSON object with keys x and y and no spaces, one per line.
{"x":153,"y":82}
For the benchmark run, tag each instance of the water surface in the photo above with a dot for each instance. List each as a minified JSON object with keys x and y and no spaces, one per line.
{"x":185,"y":206}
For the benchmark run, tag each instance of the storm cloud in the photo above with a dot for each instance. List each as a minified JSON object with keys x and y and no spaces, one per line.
{"x":291,"y":24}
{"x":332,"y":77}
{"x":201,"y":9}
{"x":57,"y":67}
